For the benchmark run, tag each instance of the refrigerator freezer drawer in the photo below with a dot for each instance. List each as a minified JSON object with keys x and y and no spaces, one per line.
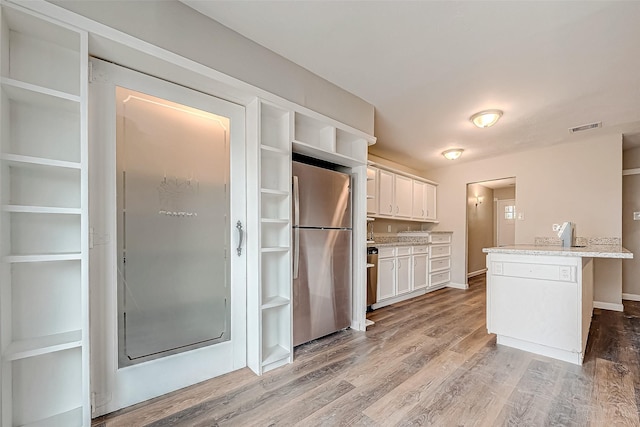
{"x":322,"y":291}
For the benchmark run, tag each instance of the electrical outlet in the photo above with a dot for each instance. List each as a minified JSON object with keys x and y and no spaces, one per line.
{"x":636,"y":216}
{"x":388,"y":229}
{"x":555,"y":227}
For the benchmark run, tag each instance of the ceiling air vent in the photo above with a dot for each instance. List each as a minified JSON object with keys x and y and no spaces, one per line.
{"x":585,"y":127}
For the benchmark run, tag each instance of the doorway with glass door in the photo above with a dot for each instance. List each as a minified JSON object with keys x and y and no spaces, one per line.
{"x":167,"y":208}
{"x":491,"y":216}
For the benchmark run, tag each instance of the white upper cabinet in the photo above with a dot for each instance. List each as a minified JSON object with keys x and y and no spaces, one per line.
{"x":386,"y":193}
{"x":403,"y":196}
{"x":418,"y":210}
{"x":400,"y":195}
{"x":430,"y":202}
{"x":424,"y":201}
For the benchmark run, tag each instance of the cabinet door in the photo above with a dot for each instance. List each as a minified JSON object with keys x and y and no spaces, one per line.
{"x":403,"y":275}
{"x":372,"y":190}
{"x":386,"y":278}
{"x":385,"y":193}
{"x":430,"y":201}
{"x":420,"y":278}
{"x":404,"y":196}
{"x":418,"y":211}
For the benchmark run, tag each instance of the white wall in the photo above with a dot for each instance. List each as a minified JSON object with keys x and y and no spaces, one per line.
{"x":178,"y":28}
{"x":579,"y":181}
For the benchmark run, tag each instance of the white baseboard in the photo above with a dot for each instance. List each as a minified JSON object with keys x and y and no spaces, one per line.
{"x":631,"y":297}
{"x":608,"y":306}
{"x":458,"y":285}
{"x":476,"y":273}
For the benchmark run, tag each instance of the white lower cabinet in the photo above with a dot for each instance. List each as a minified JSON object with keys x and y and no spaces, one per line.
{"x":440,"y":260}
{"x":404,"y":282}
{"x":420,"y":257}
{"x":386,"y":278}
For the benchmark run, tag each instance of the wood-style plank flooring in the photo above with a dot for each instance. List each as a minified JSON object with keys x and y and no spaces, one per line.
{"x":427,"y":361}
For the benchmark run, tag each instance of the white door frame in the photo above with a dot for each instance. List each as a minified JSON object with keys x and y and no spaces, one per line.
{"x":111,"y":389}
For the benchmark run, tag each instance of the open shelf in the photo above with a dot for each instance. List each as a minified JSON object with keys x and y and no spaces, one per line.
{"x":274,"y":353}
{"x":43,"y":196}
{"x":19,"y":160}
{"x":275,"y":249}
{"x":314,"y":133}
{"x":274,"y":150}
{"x":329,"y":156}
{"x":42,"y":345}
{"x":47,"y":388}
{"x":42,"y":257}
{"x":275,"y":171}
{"x":41,"y":53}
{"x":274,"y":302}
{"x":274,"y":128}
{"x":41,"y":210}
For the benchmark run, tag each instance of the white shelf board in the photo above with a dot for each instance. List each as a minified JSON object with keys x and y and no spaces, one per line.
{"x":274,"y":149}
{"x":370,"y":219}
{"x":370,"y":241}
{"x":41,"y":209}
{"x":70,"y":418}
{"x":43,"y":257}
{"x":275,"y":249}
{"x":273,"y":302}
{"x":276,"y":192}
{"x":370,"y":197}
{"x":273,"y":354}
{"x":43,"y":345}
{"x":38,"y":95}
{"x":19,"y":160}
{"x":370,"y":265}
{"x":340,"y":159}
{"x":274,"y":221}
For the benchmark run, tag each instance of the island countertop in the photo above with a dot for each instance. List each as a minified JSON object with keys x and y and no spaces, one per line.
{"x":590,"y":251}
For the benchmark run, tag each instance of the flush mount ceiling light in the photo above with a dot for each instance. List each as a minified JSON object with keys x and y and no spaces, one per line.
{"x":486,"y":118}
{"x":452,"y":154}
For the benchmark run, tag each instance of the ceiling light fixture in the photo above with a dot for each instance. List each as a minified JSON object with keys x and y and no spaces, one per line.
{"x":452,"y":154}
{"x":486,"y":118}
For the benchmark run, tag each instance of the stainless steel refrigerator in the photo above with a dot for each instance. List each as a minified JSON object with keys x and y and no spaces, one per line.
{"x":321,"y":252}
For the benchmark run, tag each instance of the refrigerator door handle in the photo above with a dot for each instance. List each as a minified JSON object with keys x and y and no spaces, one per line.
{"x":296,"y":230}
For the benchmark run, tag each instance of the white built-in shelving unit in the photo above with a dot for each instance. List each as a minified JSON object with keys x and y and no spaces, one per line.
{"x":43,"y":222}
{"x":270,"y":341}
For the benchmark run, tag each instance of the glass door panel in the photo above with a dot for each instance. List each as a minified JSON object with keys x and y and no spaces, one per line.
{"x":172,"y":165}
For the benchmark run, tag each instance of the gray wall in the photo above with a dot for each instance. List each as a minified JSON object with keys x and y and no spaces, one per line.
{"x":178,"y":28}
{"x":479,"y":226}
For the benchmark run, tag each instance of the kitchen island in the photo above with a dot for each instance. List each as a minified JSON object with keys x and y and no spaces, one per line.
{"x":540,"y":298}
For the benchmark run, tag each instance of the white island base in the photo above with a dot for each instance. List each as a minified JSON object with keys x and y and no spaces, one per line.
{"x":541,"y":304}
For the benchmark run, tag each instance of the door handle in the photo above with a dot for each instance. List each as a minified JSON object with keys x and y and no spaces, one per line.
{"x":296,"y":230}
{"x":240,"y":237}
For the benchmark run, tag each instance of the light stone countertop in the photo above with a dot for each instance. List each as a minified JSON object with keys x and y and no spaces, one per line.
{"x":381,"y":245}
{"x":591,"y":251}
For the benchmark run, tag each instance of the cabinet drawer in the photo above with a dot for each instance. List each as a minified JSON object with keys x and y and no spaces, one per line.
{"x":420,"y":249}
{"x":386,"y":252}
{"x":439,"y":278}
{"x":440,"y":251}
{"x":440,"y":238}
{"x":440,"y":264}
{"x":403,"y":250}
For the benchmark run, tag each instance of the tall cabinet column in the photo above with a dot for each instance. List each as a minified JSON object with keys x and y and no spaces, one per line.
{"x":44,"y":222}
{"x":269,"y":325}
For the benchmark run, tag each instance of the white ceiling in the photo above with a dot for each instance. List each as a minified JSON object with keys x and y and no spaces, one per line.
{"x":427,"y":66}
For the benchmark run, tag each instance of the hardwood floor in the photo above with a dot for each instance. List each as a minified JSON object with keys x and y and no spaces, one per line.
{"x":428,"y":361}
